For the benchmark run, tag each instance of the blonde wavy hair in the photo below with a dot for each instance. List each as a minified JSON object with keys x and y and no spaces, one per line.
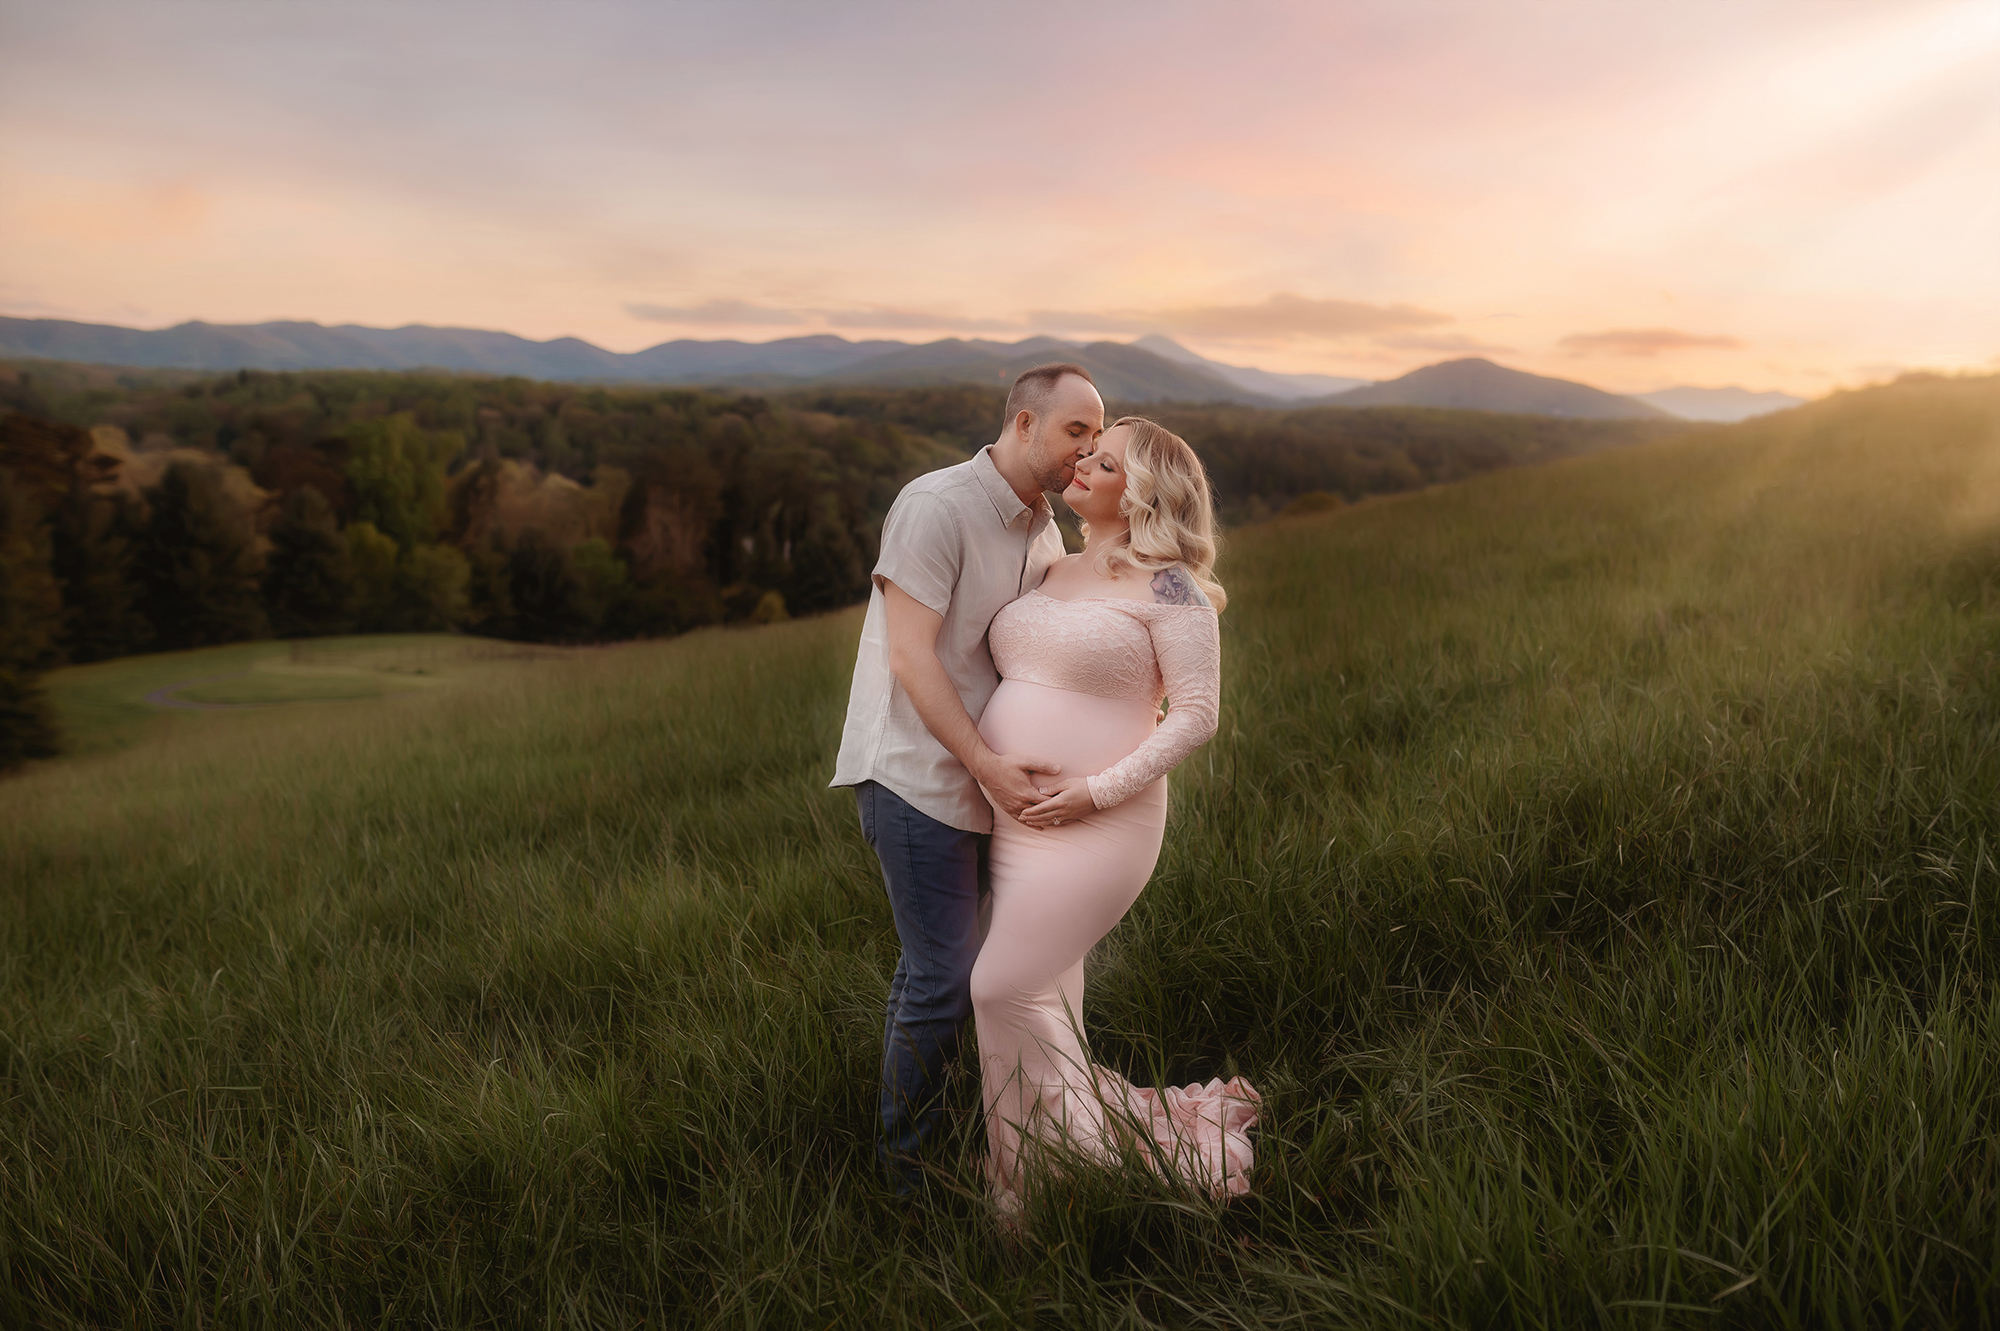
{"x":1168,"y":507}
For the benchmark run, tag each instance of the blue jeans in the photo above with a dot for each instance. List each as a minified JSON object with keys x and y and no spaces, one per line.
{"x":933,"y":873}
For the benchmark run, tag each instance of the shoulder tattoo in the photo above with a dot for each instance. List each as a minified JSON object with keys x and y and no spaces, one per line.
{"x":1172,"y":587}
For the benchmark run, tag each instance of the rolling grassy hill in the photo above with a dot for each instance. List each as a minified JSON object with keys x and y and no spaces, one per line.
{"x":1595,"y":868}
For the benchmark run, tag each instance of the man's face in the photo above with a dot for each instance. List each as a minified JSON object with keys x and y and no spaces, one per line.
{"x":1066,"y":432}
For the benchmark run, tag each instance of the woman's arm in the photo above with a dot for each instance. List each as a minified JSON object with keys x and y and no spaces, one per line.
{"x":1187,"y":639}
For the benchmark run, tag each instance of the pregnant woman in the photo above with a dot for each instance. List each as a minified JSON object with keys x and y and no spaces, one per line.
{"x":1085,"y":661}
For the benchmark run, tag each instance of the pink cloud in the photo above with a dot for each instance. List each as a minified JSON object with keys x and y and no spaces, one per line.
{"x":1282,"y":315}
{"x":1644,"y":342}
{"x":1458,"y":342}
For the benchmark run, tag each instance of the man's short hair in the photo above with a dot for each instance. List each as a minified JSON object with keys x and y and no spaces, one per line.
{"x":1035,"y":387}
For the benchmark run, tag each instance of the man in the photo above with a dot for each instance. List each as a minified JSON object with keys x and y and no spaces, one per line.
{"x":958,"y":545}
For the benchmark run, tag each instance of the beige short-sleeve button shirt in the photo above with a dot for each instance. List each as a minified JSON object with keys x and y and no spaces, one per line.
{"x":960,"y":541}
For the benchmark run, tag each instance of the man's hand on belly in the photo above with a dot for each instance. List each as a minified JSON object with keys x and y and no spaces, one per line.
{"x":1067,"y":802}
{"x":1009,"y":780}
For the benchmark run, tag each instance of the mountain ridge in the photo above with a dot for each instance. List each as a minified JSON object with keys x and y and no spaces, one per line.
{"x":1477,"y":384}
{"x":1129,"y":373}
{"x":1249,"y":377}
{"x":1721,"y":405}
{"x":1152,"y":368}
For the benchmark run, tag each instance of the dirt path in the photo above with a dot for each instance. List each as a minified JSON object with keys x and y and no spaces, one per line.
{"x":164,"y":697}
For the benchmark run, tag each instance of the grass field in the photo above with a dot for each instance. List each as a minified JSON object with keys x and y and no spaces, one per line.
{"x":1595,"y":868}
{"x":113,"y":704}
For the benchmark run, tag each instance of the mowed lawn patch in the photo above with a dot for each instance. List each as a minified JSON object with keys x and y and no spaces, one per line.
{"x":1595,"y":867}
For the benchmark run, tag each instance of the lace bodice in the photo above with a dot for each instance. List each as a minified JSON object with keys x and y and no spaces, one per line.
{"x":1142,"y":651}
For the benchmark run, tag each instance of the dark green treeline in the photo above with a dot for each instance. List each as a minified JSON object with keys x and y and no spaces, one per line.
{"x":154,"y":511}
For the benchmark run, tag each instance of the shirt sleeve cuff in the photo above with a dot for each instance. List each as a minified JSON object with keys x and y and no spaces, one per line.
{"x":920,"y":584}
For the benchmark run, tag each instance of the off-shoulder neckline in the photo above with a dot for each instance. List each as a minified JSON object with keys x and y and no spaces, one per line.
{"x":1120,"y":600}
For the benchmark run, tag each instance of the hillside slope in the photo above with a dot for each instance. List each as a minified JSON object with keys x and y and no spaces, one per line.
{"x":1594,"y":867}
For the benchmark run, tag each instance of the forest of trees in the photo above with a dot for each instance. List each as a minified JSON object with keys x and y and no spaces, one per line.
{"x":158,"y":511}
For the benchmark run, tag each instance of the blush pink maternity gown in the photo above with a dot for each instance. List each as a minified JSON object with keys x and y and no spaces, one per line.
{"x":1081,"y":681}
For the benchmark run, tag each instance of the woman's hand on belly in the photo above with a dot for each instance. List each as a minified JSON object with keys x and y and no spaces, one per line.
{"x":1067,"y":801}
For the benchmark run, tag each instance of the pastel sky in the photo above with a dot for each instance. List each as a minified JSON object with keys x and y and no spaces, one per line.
{"x":1636,"y":193}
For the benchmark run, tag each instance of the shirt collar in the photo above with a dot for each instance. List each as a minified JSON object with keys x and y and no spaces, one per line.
{"x":1005,"y":502}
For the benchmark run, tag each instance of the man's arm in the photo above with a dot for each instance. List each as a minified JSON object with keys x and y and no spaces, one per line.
{"x":913,"y":630}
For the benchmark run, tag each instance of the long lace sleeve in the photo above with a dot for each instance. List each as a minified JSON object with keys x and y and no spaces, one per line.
{"x":1187,"y":640}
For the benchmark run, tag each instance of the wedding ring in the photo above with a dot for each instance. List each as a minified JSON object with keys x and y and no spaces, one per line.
{"x":1057,"y":821}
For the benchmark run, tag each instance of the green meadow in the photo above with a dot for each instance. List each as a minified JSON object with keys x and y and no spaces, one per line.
{"x":1595,"y":868}
{"x":112,"y":705}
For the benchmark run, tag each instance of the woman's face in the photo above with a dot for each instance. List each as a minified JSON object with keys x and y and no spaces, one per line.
{"x":1100,"y":478}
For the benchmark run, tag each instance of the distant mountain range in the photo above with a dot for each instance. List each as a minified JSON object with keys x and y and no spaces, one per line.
{"x":294,"y":345}
{"x":1125,"y":372}
{"x":1152,"y":369}
{"x":1477,"y":384}
{"x":1285,"y":387}
{"x":1718,"y":404}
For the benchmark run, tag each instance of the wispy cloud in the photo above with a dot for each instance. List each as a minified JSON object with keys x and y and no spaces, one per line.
{"x":715,"y":312}
{"x":1284,"y":315}
{"x":1645,"y":342}
{"x":1441,"y":342}
{"x":877,"y":318}
{"x":887,"y":319}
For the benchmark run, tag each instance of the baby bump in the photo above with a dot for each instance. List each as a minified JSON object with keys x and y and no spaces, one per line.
{"x":1081,"y":731}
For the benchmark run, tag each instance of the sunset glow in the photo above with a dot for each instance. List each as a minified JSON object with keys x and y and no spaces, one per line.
{"x":1782,"y":195}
